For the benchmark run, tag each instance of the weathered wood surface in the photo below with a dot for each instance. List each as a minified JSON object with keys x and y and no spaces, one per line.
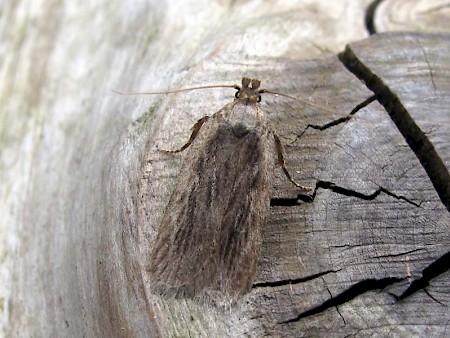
{"x":83,"y":186}
{"x":420,"y":16}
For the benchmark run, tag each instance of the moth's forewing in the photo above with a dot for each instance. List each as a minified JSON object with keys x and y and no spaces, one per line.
{"x":209,"y":240}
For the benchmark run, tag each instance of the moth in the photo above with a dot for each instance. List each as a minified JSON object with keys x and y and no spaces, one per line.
{"x":209,"y":240}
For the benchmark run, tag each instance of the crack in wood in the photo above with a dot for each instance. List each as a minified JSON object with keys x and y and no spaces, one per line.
{"x":435,"y":269}
{"x":348,"y":192}
{"x":289,"y":202}
{"x":338,"y":121}
{"x":397,"y":254}
{"x":292,"y":281}
{"x":347,"y":295}
{"x":431,"y":296}
{"x":370,"y":15}
{"x":413,"y":135}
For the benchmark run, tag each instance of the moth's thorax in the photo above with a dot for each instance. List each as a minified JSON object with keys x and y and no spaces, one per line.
{"x":240,"y":113}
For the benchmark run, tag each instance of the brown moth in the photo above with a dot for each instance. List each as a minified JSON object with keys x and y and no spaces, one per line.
{"x":209,"y":240}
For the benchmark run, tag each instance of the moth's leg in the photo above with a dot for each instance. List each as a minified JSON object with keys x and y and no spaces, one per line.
{"x":195,"y":129}
{"x":282,"y":163}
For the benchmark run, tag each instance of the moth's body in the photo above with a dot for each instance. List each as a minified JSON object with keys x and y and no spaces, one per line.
{"x":209,"y":240}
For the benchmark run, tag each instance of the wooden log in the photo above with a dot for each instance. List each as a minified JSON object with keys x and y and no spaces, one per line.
{"x":414,"y":16}
{"x":83,"y":185}
{"x":357,"y":258}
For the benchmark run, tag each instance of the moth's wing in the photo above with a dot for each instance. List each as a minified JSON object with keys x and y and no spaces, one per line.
{"x":209,"y":240}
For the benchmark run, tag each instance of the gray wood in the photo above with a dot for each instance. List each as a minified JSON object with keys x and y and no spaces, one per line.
{"x":83,"y":186}
{"x":333,"y":266}
{"x":422,"y":112}
{"x":71,"y":151}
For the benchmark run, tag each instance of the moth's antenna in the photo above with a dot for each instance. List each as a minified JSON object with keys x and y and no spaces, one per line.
{"x":177,"y":90}
{"x":296,"y":99}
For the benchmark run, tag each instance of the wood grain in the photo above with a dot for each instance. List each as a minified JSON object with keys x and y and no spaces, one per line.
{"x":83,"y":185}
{"x":374,"y":227}
{"x":420,"y":16}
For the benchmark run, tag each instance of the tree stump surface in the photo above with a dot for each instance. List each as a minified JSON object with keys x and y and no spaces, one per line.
{"x":84,"y":186}
{"x":369,"y":253}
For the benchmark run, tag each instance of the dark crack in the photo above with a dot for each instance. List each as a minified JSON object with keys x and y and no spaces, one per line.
{"x":430,"y":69}
{"x":413,"y":135}
{"x":346,"y":296}
{"x":397,"y":254}
{"x":435,"y":269}
{"x":431,"y":296}
{"x":338,"y":121}
{"x":337,"y":308}
{"x":343,"y":246}
{"x":292,"y":281}
{"x":347,"y":192}
{"x":289,"y":202}
{"x":370,"y":16}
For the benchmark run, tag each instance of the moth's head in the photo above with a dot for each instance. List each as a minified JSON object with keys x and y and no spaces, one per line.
{"x":249,"y":92}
